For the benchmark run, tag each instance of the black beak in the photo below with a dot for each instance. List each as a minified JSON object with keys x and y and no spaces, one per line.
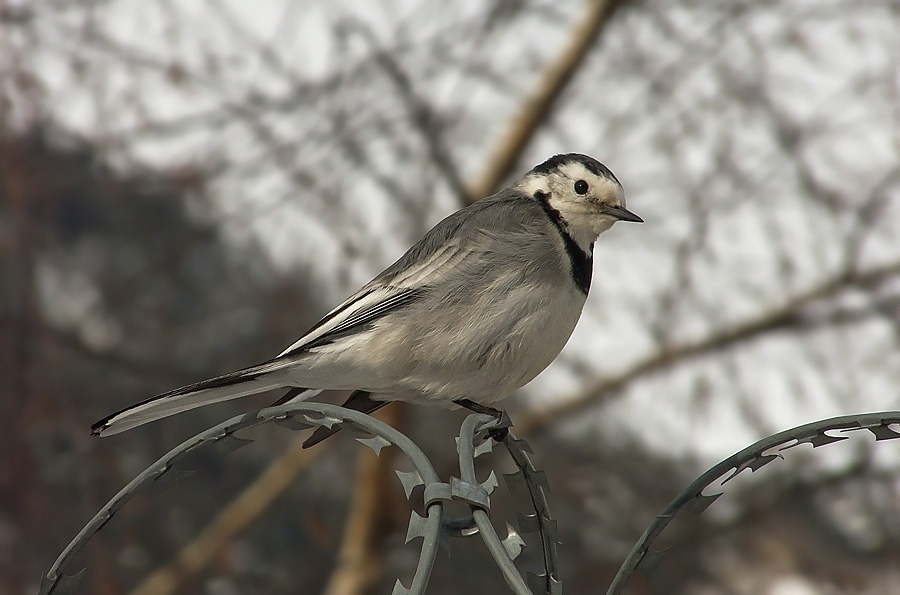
{"x":622,"y":214}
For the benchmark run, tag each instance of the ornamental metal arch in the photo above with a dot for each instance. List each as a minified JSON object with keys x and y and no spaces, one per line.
{"x":476,"y":437}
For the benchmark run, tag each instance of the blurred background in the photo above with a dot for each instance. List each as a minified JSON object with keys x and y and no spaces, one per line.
{"x":185,"y":187}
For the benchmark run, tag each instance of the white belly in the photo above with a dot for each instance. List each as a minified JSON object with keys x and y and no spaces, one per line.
{"x":481,"y":352}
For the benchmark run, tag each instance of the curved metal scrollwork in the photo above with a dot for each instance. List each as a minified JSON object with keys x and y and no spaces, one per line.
{"x":761,"y":453}
{"x":474,"y":440}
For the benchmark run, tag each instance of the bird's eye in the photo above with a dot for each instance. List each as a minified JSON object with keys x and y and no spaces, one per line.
{"x":581,"y":187}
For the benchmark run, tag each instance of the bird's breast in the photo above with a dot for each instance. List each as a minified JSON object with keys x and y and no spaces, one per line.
{"x":494,"y":345}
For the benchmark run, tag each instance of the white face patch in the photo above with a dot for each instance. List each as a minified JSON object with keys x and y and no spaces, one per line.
{"x":600,"y":188}
{"x":581,"y":211}
{"x":560,"y":184}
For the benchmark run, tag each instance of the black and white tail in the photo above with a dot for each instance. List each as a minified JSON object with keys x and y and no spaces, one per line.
{"x":235,"y":385}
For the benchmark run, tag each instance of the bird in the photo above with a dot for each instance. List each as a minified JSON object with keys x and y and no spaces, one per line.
{"x":474,"y":310}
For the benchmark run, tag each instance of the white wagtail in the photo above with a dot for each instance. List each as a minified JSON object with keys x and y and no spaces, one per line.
{"x":476,"y":309}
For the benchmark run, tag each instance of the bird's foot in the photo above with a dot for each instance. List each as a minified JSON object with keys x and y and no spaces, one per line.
{"x":498,"y":433}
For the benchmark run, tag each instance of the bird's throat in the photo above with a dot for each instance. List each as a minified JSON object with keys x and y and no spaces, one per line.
{"x":580,"y":255}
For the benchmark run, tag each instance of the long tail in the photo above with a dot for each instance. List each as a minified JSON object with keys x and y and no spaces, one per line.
{"x":242,"y":383}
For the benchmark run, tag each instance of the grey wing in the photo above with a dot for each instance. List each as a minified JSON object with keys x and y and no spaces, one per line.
{"x":425,"y":265}
{"x":365,"y":306}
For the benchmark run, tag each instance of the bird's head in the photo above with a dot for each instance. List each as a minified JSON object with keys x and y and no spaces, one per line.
{"x":587,"y":196}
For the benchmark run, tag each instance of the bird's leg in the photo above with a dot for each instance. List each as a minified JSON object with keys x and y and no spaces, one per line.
{"x":497,"y":434}
{"x":479,"y":408}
